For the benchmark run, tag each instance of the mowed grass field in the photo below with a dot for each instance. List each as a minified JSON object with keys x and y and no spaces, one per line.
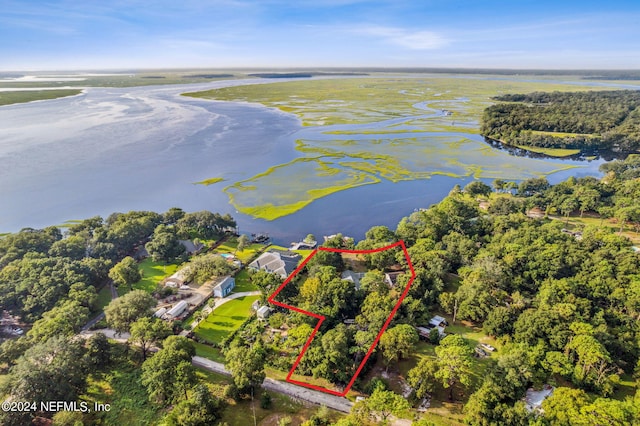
{"x":225,"y":319}
{"x":231,"y":246}
{"x":152,"y":274}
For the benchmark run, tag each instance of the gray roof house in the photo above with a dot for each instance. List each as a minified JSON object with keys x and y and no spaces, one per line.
{"x":352,"y":276}
{"x":224,"y":287}
{"x":278,"y":262}
{"x":191,"y":247}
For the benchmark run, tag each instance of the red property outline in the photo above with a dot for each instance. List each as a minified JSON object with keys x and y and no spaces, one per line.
{"x":321,"y":318}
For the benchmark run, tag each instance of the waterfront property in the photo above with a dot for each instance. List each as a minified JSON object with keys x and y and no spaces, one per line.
{"x":278,"y":262}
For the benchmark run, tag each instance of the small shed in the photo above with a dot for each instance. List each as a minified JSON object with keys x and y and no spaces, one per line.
{"x":533,"y":399}
{"x":391,"y":278}
{"x":177,"y":279}
{"x":160,"y":312}
{"x":224,"y":287}
{"x":263,"y":312}
{"x":438,"y":321}
{"x":177,"y":309}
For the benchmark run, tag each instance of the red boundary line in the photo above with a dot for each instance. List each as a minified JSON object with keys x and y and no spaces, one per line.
{"x":321,"y":318}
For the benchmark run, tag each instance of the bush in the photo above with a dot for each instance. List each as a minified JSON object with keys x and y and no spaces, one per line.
{"x":434,"y":336}
{"x":232,"y":392}
{"x":265,"y":401}
{"x":375,"y":383}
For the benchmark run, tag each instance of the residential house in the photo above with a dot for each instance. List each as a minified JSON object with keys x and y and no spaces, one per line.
{"x":352,"y":276}
{"x":224,"y":287}
{"x":278,"y":262}
{"x":191,"y":247}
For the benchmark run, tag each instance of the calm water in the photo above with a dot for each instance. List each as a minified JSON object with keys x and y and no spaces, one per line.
{"x":143,"y":148}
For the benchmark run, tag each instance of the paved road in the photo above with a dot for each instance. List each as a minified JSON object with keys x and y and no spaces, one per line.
{"x":111,"y":334}
{"x":334,"y":402}
{"x":298,"y":392}
{"x":93,"y":321}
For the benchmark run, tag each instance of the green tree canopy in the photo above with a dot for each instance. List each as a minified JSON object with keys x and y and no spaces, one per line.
{"x":125,"y":310}
{"x":125,"y":272}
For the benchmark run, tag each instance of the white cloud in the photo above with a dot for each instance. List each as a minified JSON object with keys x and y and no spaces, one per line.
{"x":414,"y":40}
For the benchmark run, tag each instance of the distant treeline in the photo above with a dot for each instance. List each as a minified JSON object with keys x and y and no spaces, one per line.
{"x":586,"y":74}
{"x":303,"y":74}
{"x":208,"y":76}
{"x":580,"y":120}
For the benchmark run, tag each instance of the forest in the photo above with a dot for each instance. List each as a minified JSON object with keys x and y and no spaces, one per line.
{"x":589,"y":121}
{"x":560,"y":303}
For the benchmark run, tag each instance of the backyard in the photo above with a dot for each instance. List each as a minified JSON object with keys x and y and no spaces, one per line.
{"x":152,"y":274}
{"x":225,"y":319}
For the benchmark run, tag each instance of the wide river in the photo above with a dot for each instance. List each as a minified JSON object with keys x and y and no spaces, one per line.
{"x":121,"y":149}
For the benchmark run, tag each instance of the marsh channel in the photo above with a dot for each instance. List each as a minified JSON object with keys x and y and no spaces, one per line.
{"x":144,"y":148}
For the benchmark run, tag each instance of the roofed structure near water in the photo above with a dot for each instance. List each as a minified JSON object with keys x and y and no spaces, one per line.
{"x":191,"y":247}
{"x":279,"y":262}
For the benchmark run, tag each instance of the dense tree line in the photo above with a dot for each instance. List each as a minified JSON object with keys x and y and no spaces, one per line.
{"x":49,"y":279}
{"x":599,"y":120}
{"x":565,"y":305}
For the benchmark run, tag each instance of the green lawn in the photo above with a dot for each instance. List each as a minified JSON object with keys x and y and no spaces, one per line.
{"x":225,"y":319}
{"x":152,"y":274}
{"x":104,"y":297}
{"x":240,"y":413}
{"x":208,"y":352}
{"x":303,"y":253}
{"x":230,"y":246}
{"x":243,"y":283}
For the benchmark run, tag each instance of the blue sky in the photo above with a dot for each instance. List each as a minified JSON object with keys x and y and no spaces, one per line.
{"x":99,"y":34}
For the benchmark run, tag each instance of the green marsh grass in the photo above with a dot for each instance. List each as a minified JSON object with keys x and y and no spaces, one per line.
{"x":21,"y":96}
{"x":328,"y":166}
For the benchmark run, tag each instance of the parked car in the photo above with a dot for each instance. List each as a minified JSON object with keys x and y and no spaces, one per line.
{"x":487,"y":347}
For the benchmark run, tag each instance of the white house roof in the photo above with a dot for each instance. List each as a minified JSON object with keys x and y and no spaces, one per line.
{"x":264,"y":310}
{"x":177,"y":309}
{"x":179,"y":276}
